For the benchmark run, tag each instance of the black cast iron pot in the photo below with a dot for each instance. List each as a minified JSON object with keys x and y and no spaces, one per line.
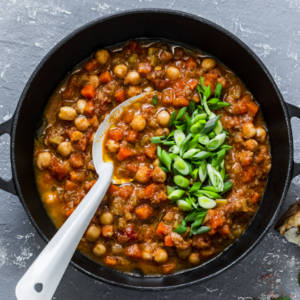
{"x":187,"y":29}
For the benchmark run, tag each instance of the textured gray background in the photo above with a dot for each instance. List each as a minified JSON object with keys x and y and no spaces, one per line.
{"x":29,"y":29}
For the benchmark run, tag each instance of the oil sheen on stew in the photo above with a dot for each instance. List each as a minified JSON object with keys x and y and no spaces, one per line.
{"x":133,"y":228}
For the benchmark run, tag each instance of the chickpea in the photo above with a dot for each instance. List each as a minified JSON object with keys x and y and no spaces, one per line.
{"x":81,"y":105}
{"x":138,"y":123}
{"x":102,"y":56}
{"x":248,"y":130}
{"x":43,"y":160}
{"x":82,"y":123}
{"x":163,"y":118}
{"x":183,"y":254}
{"x":156,"y":163}
{"x":133,"y":91}
{"x":160,"y":255}
{"x":173,"y":73}
{"x":112,"y":146}
{"x":99,"y":250}
{"x":132,"y":78}
{"x":64,"y":149}
{"x":261,"y":134}
{"x":106,"y":218}
{"x":67,"y":113}
{"x":50,"y":197}
{"x":116,"y":248}
{"x":94,"y":80}
{"x":159,"y":175}
{"x":120,"y":70}
{"x":143,"y":175}
{"x":251,"y":145}
{"x":194,"y":258}
{"x":93,"y":233}
{"x":146,"y":255}
{"x":162,"y":131}
{"x":208,"y":63}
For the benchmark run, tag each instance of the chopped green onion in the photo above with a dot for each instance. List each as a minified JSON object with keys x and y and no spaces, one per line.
{"x":188,"y":122}
{"x":174,"y":149}
{"x":168,"y":143}
{"x":218,"y":157}
{"x":183,"y":205}
{"x":213,"y":101}
{"x":201,"y":229}
{"x":197,"y":127}
{"x":191,"y":107}
{"x":170,"y":190}
{"x":202,"y":155}
{"x":154,"y":100}
{"x":180,"y":125}
{"x":179,"y":137}
{"x":182,"y":181}
{"x":226,"y":177}
{"x":184,"y":145}
{"x":195,"y":187}
{"x":209,"y":188}
{"x":203,"y":171}
{"x":181,"y":113}
{"x":156,"y":140}
{"x":194,"y":142}
{"x":166,"y":159}
{"x":173,"y":118}
{"x":190,"y":153}
{"x":216,"y":142}
{"x":227,"y":187}
{"x":181,"y":166}
{"x":203,"y":139}
{"x":211,"y":135}
{"x":211,"y":124}
{"x":197,"y":224}
{"x":218,"y":90}
{"x":171,"y":135}
{"x":206,"y":202}
{"x":195,"y":173}
{"x":219,"y":128}
{"x":176,"y":195}
{"x":215,"y":178}
{"x":226,"y":147}
{"x":219,"y":105}
{"x":172,"y":155}
{"x":163,"y":168}
{"x":159,"y":152}
{"x":198,"y":118}
{"x":210,"y":194}
{"x":180,"y":229}
{"x":222,"y":172}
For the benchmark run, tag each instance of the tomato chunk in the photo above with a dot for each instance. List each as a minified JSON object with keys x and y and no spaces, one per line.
{"x":124,"y":153}
{"x":115,"y":134}
{"x":163,"y":229}
{"x":91,"y":65}
{"x":168,"y":241}
{"x":133,"y":252}
{"x":88,"y":91}
{"x":105,"y":77}
{"x":120,"y":95}
{"x":143,"y":212}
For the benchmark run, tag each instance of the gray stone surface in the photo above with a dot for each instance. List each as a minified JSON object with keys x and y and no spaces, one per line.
{"x":30,"y":28}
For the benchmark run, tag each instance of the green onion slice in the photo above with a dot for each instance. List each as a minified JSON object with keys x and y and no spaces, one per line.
{"x":210,"y":194}
{"x":201,"y":229}
{"x":215,"y":178}
{"x":198,"y":118}
{"x":179,"y":137}
{"x":170,"y":190}
{"x":195,"y":173}
{"x":168,"y":143}
{"x":176,"y":195}
{"x":201,"y":155}
{"x":180,"y":229}
{"x":184,"y":145}
{"x":173,"y":118}
{"x":203,"y":171}
{"x":156,"y":140}
{"x":181,"y":113}
{"x":183,"y":205}
{"x":219,"y":128}
{"x":174,"y":149}
{"x":166,"y":159}
{"x":227,"y":187}
{"x":211,"y":124}
{"x":191,"y":107}
{"x":195,"y":187}
{"x":182,"y":181}
{"x":216,"y":142}
{"x":154,"y":100}
{"x":209,"y":188}
{"x":206,"y":203}
{"x":181,"y":166}
{"x":159,"y":152}
{"x":203,"y":139}
{"x":190,"y":153}
{"x":218,"y":90}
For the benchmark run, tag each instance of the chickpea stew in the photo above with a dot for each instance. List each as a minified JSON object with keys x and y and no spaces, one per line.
{"x":194,"y":151}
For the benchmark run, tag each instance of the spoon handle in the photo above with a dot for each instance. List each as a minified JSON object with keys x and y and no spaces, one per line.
{"x":42,"y":278}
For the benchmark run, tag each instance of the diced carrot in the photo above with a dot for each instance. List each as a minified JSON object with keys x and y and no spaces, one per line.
{"x":248,"y":174}
{"x":163,"y":229}
{"x":95,"y":122}
{"x":180,"y":102}
{"x":91,"y":65}
{"x":120,"y":95}
{"x":71,"y":186}
{"x":168,"y":268}
{"x":192,"y":83}
{"x":110,"y":261}
{"x":69,"y":212}
{"x":143,"y":212}
{"x":168,"y":241}
{"x":126,"y":191}
{"x":132,"y":136}
{"x":144,"y":68}
{"x":89,"y":108}
{"x":105,"y":77}
{"x":150,"y":151}
{"x":113,"y":189}
{"x":124,"y":153}
{"x":115,"y":134}
{"x":89,"y":185}
{"x":88,"y":91}
{"x":133,"y":252}
{"x":224,"y":230}
{"x":149,"y":190}
{"x":107,"y":231}
{"x":191,"y":64}
{"x":252,"y":107}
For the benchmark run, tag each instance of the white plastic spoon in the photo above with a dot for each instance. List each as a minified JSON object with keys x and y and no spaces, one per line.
{"x":42,"y":278}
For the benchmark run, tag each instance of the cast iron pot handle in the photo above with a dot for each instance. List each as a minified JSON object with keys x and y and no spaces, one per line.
{"x":294,"y":111}
{"x":7,"y":186}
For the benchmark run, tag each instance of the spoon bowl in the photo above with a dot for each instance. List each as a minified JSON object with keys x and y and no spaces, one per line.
{"x":42,"y":278}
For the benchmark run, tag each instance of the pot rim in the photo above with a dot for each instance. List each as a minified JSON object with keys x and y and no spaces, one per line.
{"x":155,"y":11}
